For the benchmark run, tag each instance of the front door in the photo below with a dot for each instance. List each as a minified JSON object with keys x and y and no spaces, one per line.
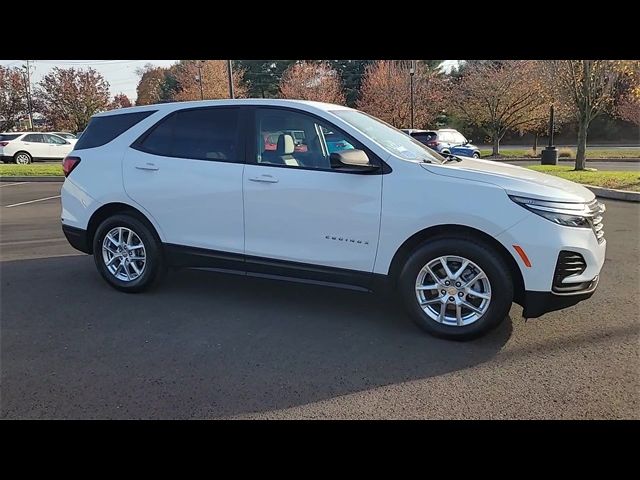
{"x":57,"y":147}
{"x":187,"y":174}
{"x":299,"y":211}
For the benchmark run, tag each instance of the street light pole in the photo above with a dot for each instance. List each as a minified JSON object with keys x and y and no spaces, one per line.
{"x":230,"y":72}
{"x":199,"y":65}
{"x":411,"y":72}
{"x":550,"y":153}
{"x":27,"y":80}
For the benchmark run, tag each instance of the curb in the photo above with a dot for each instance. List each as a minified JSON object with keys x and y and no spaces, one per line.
{"x":34,"y":178}
{"x":566,"y":160}
{"x":624,"y":195}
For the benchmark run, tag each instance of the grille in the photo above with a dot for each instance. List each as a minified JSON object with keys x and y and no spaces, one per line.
{"x":596,"y":209}
{"x":569,"y":263}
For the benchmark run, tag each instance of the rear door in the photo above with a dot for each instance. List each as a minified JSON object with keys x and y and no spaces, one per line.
{"x":186,"y":171}
{"x":34,"y":144}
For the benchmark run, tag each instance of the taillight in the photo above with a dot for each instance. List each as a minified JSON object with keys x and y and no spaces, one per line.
{"x":68,"y":164}
{"x":4,"y":144}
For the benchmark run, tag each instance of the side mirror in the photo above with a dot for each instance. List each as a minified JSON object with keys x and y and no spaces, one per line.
{"x":356,"y":160}
{"x":468,"y":142}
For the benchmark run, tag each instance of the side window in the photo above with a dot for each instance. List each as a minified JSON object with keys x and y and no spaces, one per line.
{"x":422,"y":137}
{"x":54,"y":139}
{"x":206,"y":134}
{"x":295,"y":139}
{"x":102,"y":130}
{"x":158,"y":140}
{"x":34,"y":137}
{"x":197,"y":134}
{"x":459,"y":138}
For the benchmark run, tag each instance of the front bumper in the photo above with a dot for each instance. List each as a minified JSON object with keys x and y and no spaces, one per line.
{"x":536,"y":304}
{"x":77,"y":238}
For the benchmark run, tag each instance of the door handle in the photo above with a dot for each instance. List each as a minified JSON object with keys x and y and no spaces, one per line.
{"x":147,"y":166}
{"x":264,"y":179}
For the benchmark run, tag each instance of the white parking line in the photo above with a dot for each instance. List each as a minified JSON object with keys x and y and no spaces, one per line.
{"x":31,"y":201}
{"x":17,"y":183}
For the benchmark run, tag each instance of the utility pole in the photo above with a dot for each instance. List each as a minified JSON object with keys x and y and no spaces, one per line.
{"x":412,"y":70}
{"x":27,"y":81}
{"x":199,"y":65}
{"x":230,"y":72}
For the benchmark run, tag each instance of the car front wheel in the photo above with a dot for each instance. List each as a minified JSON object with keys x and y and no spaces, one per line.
{"x":456,"y":288}
{"x":127,"y":254}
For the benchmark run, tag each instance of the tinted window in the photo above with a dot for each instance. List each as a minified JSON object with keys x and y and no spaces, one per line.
{"x":102,"y":130}
{"x":34,"y":137}
{"x":199,"y":134}
{"x":158,"y":141}
{"x":206,"y":134}
{"x":422,"y":137}
{"x":6,"y":136}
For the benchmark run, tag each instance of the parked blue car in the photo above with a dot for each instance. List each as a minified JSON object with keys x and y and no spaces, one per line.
{"x":336,"y":142}
{"x":445,"y":141}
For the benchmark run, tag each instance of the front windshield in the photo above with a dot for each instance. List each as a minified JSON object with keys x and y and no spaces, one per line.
{"x":389,"y":137}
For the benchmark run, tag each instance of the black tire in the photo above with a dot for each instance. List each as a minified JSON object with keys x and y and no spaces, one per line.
{"x":482,"y":255}
{"x":155,"y":265}
{"x":445,"y":152}
{"x":476,"y":155}
{"x":28,"y":155}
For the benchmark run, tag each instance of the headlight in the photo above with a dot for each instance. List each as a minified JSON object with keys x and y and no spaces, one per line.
{"x":562,"y":213}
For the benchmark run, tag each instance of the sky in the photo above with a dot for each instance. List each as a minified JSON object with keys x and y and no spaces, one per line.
{"x":121,"y":74}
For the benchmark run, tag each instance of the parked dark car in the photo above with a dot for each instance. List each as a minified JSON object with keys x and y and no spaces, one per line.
{"x":445,"y":141}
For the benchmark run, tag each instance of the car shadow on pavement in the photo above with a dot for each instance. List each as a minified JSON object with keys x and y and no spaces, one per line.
{"x":202,"y":345}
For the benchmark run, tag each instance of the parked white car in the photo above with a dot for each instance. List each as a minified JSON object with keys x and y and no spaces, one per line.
{"x":192,"y":184}
{"x":25,"y":147}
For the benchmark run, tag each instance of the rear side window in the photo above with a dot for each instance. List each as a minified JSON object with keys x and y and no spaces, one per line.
{"x":7,"y":137}
{"x":102,"y":130}
{"x":199,"y":134}
{"x":422,"y":137}
{"x":34,"y":137}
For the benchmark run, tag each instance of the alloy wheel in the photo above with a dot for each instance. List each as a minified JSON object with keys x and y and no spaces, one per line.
{"x":453,"y":290}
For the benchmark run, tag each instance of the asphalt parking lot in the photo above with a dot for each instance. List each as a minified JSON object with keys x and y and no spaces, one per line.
{"x":204,"y":345}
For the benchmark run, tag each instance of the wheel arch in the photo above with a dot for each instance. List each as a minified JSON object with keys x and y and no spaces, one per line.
{"x":431,"y":233}
{"x":114,"y":208}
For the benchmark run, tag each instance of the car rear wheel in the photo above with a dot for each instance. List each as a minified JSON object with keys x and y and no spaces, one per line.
{"x":127,"y":254}
{"x":22,"y":158}
{"x":476,"y":155}
{"x":456,"y":287}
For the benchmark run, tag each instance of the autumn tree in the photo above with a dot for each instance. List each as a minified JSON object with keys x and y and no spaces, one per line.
{"x":502,"y":96}
{"x":385,"y":93}
{"x":69,"y":97}
{"x":13,"y":99}
{"x":215,"y":80}
{"x":156,"y":85}
{"x":119,"y":101}
{"x":589,"y":87}
{"x":312,"y":81}
{"x":628,"y":92}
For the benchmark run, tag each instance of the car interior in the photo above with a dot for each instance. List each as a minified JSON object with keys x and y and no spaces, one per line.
{"x":300,"y":140}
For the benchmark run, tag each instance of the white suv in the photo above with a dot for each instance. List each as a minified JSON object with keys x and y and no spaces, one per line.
{"x":24,"y":147}
{"x":193,"y":184}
